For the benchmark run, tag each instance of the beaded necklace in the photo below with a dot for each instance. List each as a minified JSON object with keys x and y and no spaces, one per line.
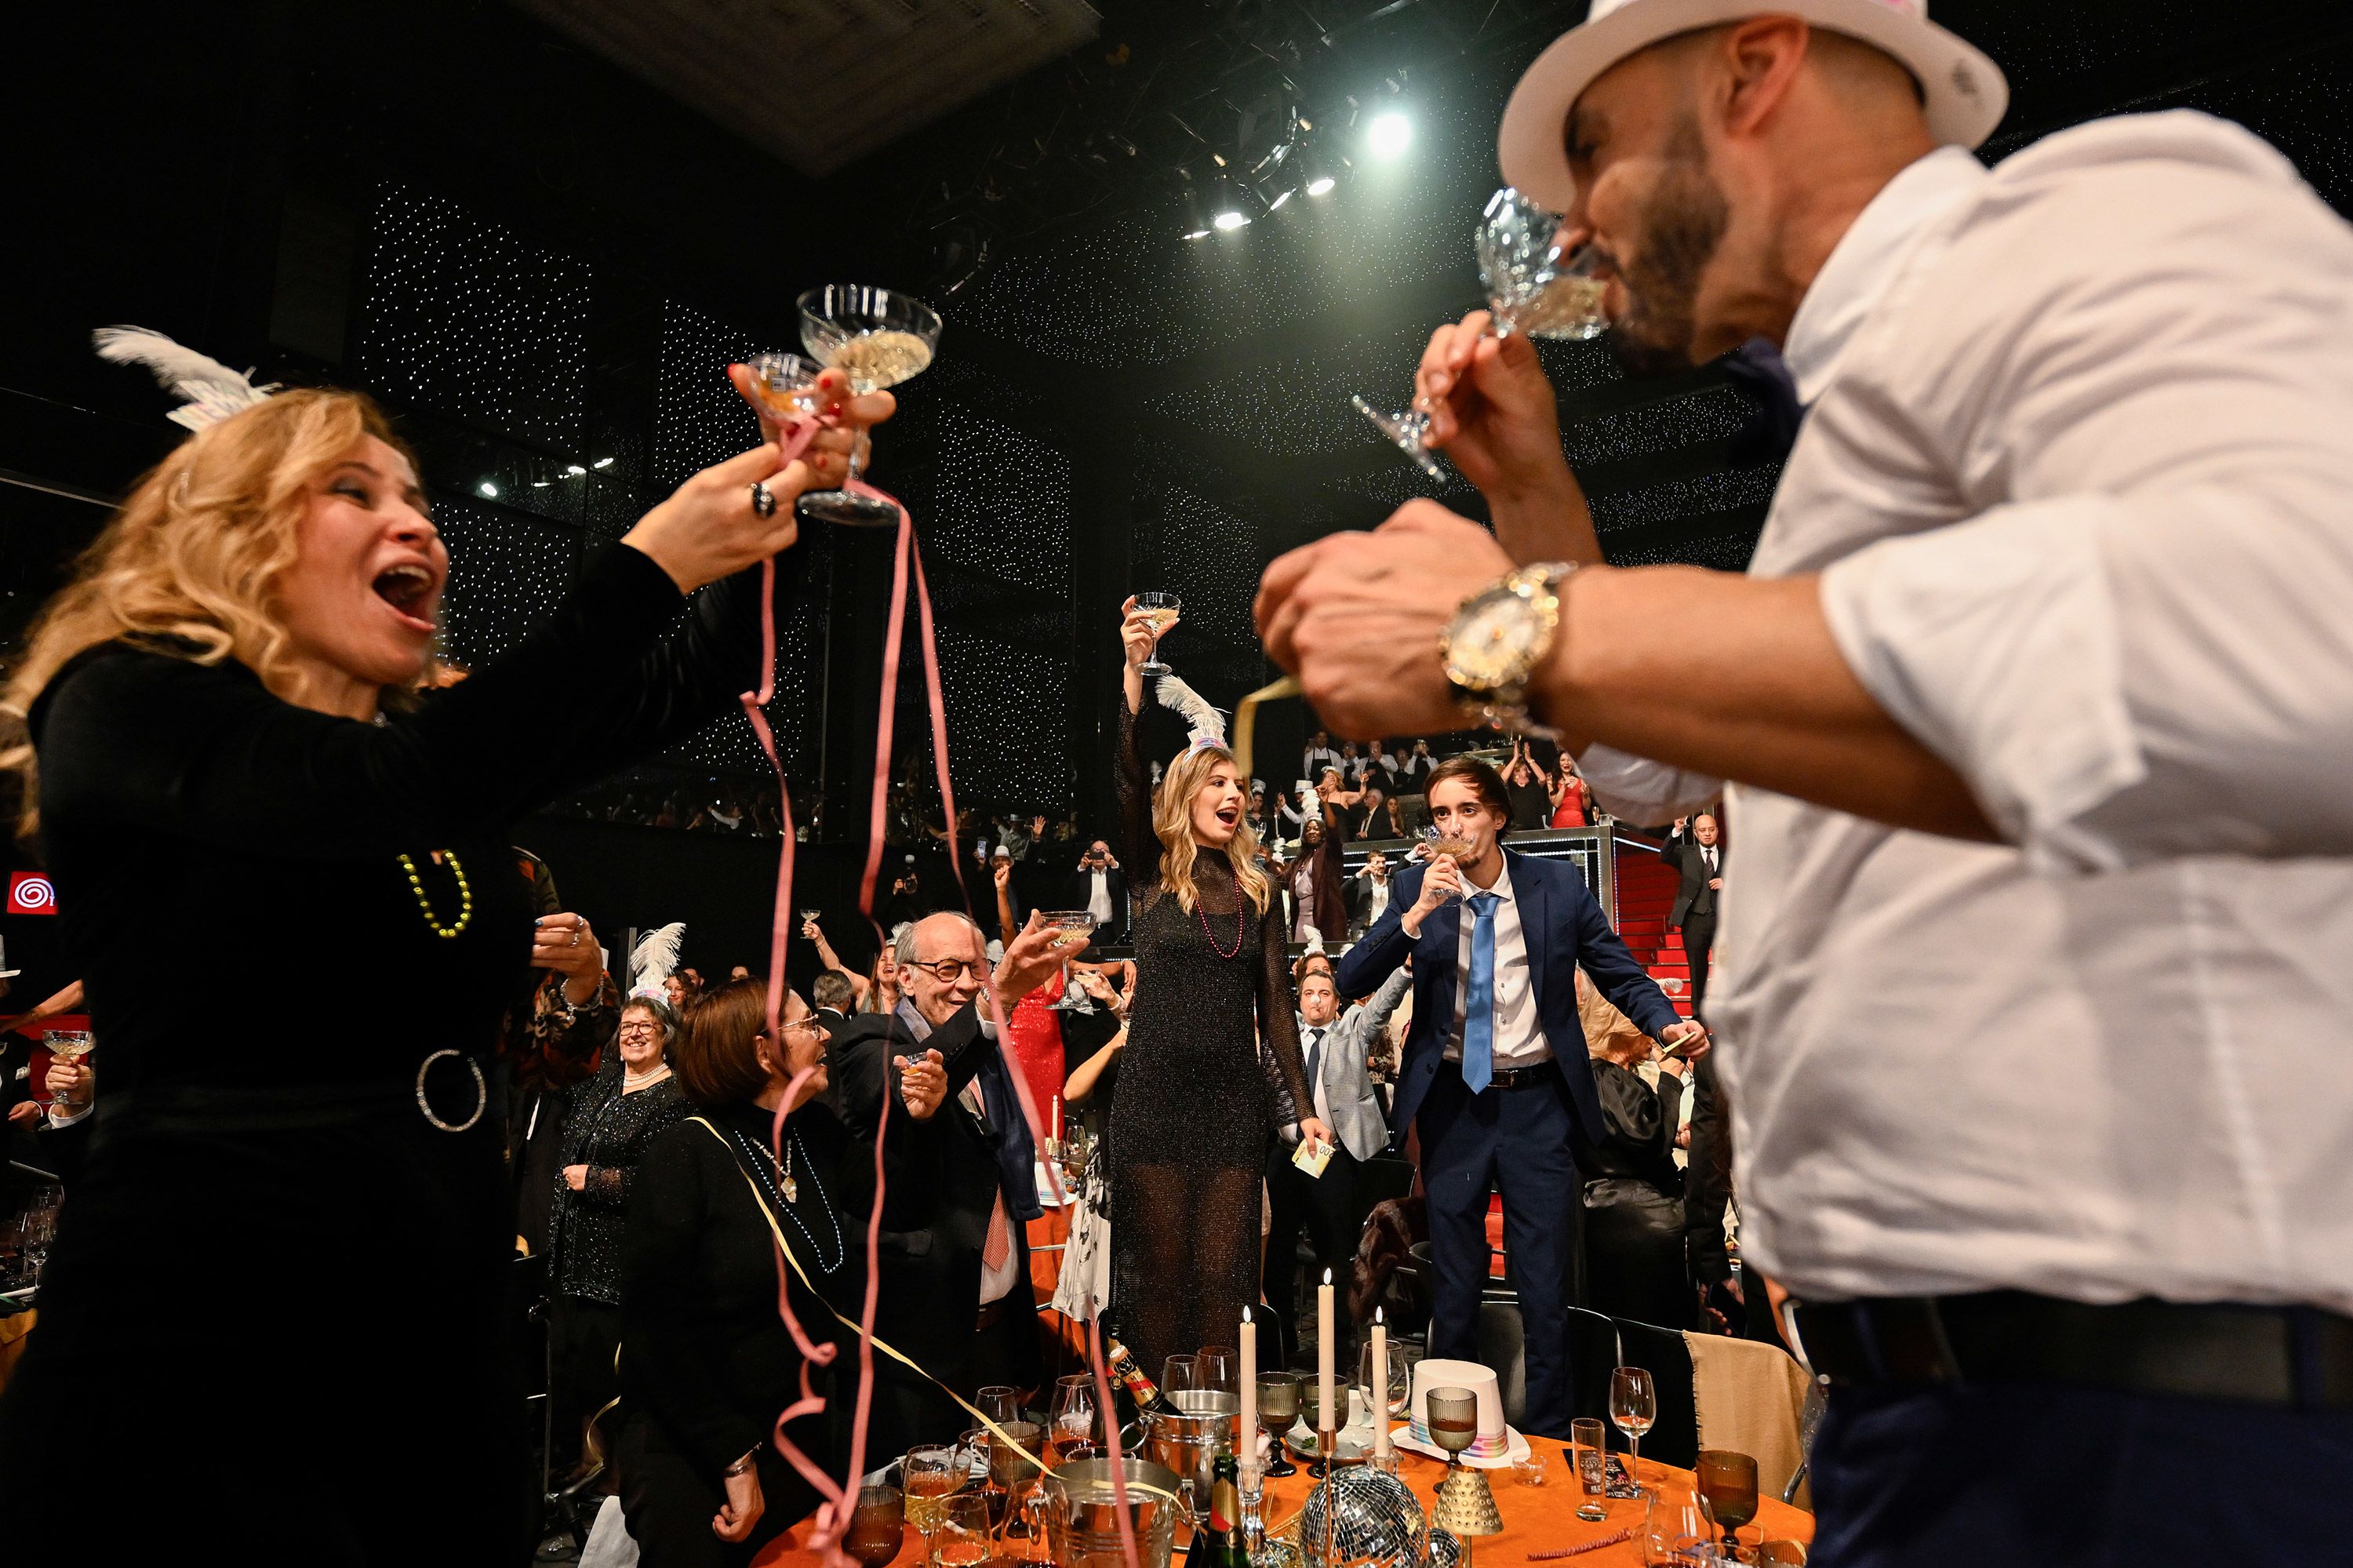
{"x":1202,"y":910}
{"x":465,"y":896}
{"x":763,"y":1166}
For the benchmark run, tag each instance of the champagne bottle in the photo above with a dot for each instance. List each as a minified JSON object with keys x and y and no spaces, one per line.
{"x":1145,"y":1393}
{"x":1219,"y":1543}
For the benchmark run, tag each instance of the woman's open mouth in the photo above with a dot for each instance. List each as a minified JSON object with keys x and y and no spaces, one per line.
{"x":408,"y":590}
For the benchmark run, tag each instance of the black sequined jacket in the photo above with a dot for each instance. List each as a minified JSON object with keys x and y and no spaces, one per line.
{"x":607,"y":1133}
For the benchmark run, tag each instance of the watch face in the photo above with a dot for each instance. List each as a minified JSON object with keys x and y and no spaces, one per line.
{"x":1494,"y":642}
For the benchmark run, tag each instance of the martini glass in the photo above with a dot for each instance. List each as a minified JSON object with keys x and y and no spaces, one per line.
{"x":1159,"y":611}
{"x":1531,"y":288}
{"x":878,"y":337}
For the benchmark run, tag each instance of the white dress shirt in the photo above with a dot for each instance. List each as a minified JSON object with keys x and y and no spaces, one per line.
{"x":1099,"y":897}
{"x":2078,"y":472}
{"x":1519,"y":1036}
{"x":1378,"y":904}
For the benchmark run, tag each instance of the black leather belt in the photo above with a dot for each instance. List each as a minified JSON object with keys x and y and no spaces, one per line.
{"x":1524,"y":1077}
{"x":2299,"y":1357}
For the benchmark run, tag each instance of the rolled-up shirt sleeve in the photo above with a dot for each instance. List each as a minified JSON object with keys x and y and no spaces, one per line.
{"x":2141,"y":647}
{"x":1643,"y":791}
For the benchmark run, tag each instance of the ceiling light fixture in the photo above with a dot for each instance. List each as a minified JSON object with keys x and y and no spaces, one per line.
{"x":1389,"y":134}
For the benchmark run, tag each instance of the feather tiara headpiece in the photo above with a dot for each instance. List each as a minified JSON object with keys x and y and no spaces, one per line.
{"x":655,"y":958}
{"x":209,"y":391}
{"x":1207,"y":724}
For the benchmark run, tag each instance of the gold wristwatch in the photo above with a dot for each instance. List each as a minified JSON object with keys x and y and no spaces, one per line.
{"x":1500,"y":638}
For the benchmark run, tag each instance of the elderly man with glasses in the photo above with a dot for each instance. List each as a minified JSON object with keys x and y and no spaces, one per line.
{"x":979,"y":1162}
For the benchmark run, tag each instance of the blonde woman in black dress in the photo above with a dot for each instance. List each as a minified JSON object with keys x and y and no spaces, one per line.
{"x":1193,"y":1112}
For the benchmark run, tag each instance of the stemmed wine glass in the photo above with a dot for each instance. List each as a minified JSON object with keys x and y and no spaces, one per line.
{"x":878,"y":1527}
{"x":1728,"y":1488}
{"x":1278,"y":1408}
{"x":1633,"y":1406}
{"x":1530,"y":288}
{"x":1385,"y":1405}
{"x":1159,"y":610}
{"x":1453,"y":1416}
{"x":929,"y":1476}
{"x":878,"y":337}
{"x":1073,"y":1417}
{"x":1011,"y":1471}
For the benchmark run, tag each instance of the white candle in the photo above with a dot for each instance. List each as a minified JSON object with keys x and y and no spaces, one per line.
{"x":1247,"y":1437}
{"x":1324,"y":1349}
{"x":1379,"y":1392}
{"x":1058,"y":1118}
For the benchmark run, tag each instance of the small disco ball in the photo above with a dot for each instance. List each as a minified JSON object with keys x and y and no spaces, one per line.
{"x":1378,"y":1525}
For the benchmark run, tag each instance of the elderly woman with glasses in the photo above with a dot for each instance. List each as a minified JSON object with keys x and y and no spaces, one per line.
{"x":707,"y":1365}
{"x":615,"y":1116}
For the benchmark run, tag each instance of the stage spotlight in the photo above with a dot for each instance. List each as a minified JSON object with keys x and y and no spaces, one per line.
{"x":1196,"y":219}
{"x":1389,"y":135}
{"x":1321,"y":186}
{"x":573,"y":471}
{"x":1231,"y":219}
{"x":1231,"y":206}
{"x":1281,"y":197}
{"x":602,"y":463}
{"x":487,"y":491}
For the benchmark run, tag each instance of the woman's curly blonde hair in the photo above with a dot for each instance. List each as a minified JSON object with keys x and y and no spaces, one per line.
{"x":194,"y":554}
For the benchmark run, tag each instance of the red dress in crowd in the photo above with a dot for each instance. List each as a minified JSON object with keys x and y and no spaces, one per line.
{"x":1037,"y":1045}
{"x":1571,"y":812}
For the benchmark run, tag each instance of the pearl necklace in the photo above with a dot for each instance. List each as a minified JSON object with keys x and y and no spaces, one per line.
{"x":639,"y":1080}
{"x":465,"y":896}
{"x":791,"y":1191}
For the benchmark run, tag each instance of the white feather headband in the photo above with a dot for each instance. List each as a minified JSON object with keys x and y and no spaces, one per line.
{"x":1207,"y":724}
{"x":210,"y":390}
{"x":655,"y":958}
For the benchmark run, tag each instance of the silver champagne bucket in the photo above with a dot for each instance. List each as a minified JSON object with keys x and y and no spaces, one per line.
{"x":1082,"y":1513}
{"x":1189,"y":1439}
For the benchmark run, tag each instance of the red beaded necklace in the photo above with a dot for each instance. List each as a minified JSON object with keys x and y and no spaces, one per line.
{"x":1202,"y":910}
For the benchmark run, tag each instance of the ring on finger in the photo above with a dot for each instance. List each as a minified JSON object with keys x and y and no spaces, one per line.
{"x":763,"y":500}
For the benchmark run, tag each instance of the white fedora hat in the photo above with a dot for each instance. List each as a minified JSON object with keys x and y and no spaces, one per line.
{"x":1965,"y":92}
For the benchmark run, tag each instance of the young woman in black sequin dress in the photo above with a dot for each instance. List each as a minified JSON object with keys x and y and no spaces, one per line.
{"x":1190,"y":1121}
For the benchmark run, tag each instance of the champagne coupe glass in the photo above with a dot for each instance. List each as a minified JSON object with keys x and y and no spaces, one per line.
{"x":1278,"y":1408}
{"x":878,"y":338}
{"x":68,"y":1045}
{"x":1159,"y":610}
{"x":1073,"y":927}
{"x":808,"y":916}
{"x":877,"y":1527}
{"x":1443,"y":843}
{"x":961,"y":1536}
{"x":1530,"y":288}
{"x":1591,"y":1440}
{"x":1728,"y":1487}
{"x":1633,"y":1405}
{"x":929,"y":1476}
{"x":1010,"y":1470}
{"x":783,"y":384}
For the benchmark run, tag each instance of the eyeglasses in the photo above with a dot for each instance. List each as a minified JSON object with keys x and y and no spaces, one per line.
{"x":808,"y":1026}
{"x":641,"y":1029}
{"x":947,"y":971}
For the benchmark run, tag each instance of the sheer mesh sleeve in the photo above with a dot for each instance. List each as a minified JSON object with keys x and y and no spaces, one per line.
{"x":1274,"y":1004}
{"x":1139,"y":842}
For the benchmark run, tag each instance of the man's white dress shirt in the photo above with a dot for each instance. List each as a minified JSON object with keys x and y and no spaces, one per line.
{"x":2078,"y":474}
{"x":1099,"y":897}
{"x":1519,"y":1036}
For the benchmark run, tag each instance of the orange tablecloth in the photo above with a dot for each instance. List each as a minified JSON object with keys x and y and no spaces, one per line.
{"x":1539,"y":1519}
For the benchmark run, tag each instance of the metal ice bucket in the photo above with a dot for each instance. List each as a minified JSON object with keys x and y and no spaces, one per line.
{"x":1082,"y":1513}
{"x":1189,"y":1439}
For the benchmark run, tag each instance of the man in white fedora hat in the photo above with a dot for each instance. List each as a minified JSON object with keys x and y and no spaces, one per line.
{"x":2034,"y":713}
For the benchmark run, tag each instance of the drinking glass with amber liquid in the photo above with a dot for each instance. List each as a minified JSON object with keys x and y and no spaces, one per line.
{"x":1727,"y":1486}
{"x":877,"y":1527}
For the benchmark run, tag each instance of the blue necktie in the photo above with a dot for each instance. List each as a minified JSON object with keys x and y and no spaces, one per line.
{"x":1479,"y":1000}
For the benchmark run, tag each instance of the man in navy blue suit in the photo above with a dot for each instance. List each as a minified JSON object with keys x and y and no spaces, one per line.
{"x":1495,"y":1071}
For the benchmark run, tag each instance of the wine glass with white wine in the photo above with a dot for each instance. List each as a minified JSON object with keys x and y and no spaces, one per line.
{"x":1160,"y":611}
{"x":878,"y":337}
{"x":1531,"y":288}
{"x":69,"y":1046}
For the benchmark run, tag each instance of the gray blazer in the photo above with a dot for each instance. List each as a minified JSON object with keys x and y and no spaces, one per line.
{"x":1357,"y":1118}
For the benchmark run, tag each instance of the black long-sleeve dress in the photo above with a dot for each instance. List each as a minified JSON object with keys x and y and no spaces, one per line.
{"x":1190,"y":1121}
{"x":1633,"y":1202}
{"x":706,"y":1363}
{"x":275,"y":1267}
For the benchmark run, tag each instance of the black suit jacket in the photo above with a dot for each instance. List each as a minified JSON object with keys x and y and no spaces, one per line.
{"x":1694,"y":896}
{"x":1081,"y":887}
{"x":930,"y":1270}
